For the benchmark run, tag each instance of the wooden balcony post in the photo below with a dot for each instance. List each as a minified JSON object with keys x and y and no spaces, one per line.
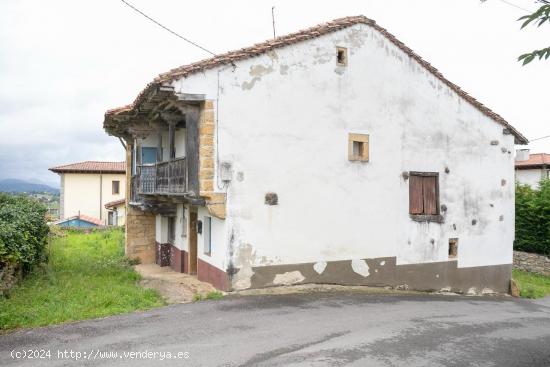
{"x":159,"y":146}
{"x":172,"y":139}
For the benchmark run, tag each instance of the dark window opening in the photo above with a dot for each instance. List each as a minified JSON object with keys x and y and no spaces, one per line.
{"x":453,"y":248}
{"x":148,"y":155}
{"x":358,"y":147}
{"x":111,"y":218}
{"x":171,"y":230}
{"x":116,"y":187}
{"x":341,"y":56}
{"x":424,"y":193}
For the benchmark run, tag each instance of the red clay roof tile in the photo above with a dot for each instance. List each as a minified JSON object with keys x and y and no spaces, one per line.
{"x":535,"y":160}
{"x":91,"y":167}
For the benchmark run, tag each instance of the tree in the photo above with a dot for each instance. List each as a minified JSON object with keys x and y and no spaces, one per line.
{"x":539,"y":17}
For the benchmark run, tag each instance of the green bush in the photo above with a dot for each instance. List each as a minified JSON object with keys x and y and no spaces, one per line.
{"x":533,"y":218}
{"x":23,"y":232}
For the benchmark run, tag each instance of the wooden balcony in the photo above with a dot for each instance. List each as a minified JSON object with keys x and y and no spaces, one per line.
{"x":163,"y":178}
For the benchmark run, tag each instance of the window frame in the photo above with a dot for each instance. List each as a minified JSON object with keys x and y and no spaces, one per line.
{"x":344,"y":52}
{"x":364,"y":140}
{"x":207,"y":235}
{"x":423,"y":217}
{"x":117,"y":192}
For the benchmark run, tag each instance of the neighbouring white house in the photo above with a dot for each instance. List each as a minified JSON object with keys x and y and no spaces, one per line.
{"x":86,"y":187}
{"x":116,"y":212}
{"x":532,"y":168}
{"x":332,"y":155}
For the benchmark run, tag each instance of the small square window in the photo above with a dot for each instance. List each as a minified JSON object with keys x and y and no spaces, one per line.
{"x":453,"y":248}
{"x":358,"y":147}
{"x":116,"y":187}
{"x":341,"y":56}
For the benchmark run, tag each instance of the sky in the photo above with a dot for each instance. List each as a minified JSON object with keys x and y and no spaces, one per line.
{"x":63,"y":63}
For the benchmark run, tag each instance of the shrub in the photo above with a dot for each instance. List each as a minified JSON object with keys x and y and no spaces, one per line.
{"x":23,"y":232}
{"x":533,"y":218}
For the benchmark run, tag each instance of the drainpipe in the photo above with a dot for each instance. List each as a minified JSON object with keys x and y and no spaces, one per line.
{"x":100,"y":195}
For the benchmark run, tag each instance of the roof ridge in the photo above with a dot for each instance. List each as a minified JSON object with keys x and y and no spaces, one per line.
{"x":292,"y":38}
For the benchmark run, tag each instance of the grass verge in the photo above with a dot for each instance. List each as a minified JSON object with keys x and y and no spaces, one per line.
{"x":531,"y":285}
{"x":87,"y":276}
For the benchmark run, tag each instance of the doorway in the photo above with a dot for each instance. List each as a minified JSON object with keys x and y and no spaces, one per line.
{"x":192,"y":242}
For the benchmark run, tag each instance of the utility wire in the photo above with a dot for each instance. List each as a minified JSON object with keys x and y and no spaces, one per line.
{"x":166,"y":28}
{"x":511,"y":4}
{"x":516,"y":6}
{"x":543,"y":137}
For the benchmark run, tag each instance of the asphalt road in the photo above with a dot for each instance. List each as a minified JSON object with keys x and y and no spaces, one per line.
{"x":316,"y":329}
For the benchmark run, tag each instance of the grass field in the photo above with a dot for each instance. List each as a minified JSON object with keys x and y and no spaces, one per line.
{"x":87,"y":276}
{"x":531,"y":285}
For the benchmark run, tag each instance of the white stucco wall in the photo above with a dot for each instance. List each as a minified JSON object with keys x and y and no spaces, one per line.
{"x":121,"y":215}
{"x":181,"y":222}
{"x":107,"y":190}
{"x":218,"y":254}
{"x":283,"y":122}
{"x":161,"y":229}
{"x":88,"y":193}
{"x":531,"y":177}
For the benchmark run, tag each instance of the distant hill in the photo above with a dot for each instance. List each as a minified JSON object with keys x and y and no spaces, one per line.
{"x":15,"y":185}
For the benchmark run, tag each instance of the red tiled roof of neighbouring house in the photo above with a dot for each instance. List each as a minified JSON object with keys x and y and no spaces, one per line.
{"x":535,"y":160}
{"x":112,"y":204}
{"x":309,"y":33}
{"x":91,"y":167}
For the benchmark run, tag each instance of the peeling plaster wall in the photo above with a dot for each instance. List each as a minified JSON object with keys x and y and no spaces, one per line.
{"x":283,"y":120}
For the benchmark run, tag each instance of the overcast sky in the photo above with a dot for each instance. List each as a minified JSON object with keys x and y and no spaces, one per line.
{"x":64,"y":62}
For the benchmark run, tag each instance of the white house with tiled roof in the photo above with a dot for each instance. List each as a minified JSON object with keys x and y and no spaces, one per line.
{"x":531,"y":168}
{"x":332,"y":155}
{"x":86,"y":187}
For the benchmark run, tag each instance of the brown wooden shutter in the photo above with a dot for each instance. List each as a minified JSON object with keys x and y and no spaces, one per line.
{"x":429,"y":190}
{"x":416,"y":202}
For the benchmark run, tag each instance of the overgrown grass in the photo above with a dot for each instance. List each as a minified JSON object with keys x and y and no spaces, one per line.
{"x":531,"y":285}
{"x":87,"y":276}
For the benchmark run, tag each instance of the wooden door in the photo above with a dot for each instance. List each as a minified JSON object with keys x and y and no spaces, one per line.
{"x":192,"y":243}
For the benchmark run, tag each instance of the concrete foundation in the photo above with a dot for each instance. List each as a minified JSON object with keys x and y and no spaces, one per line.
{"x":384,"y":272}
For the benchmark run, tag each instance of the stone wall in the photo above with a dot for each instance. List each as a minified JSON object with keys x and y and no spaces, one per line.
{"x":215,"y":202}
{"x":533,"y":263}
{"x":140,"y":235}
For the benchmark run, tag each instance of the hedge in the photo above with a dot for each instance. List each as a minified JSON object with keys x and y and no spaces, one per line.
{"x":533,"y":218}
{"x":23,"y":232}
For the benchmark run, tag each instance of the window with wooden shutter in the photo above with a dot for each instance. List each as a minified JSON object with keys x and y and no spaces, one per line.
{"x":424,"y":194}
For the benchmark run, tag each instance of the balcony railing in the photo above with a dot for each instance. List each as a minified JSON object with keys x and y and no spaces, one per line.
{"x":163,"y":178}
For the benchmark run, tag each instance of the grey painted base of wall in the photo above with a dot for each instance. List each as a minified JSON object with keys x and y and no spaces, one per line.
{"x":385,"y":272}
